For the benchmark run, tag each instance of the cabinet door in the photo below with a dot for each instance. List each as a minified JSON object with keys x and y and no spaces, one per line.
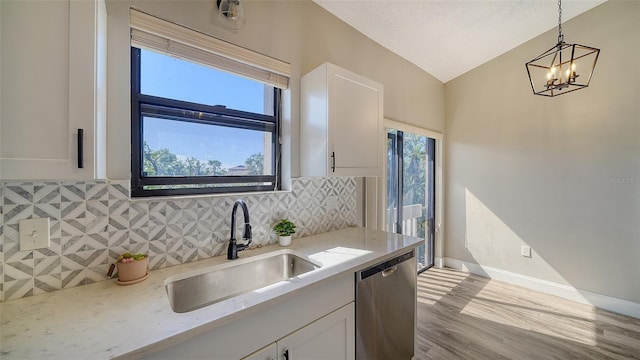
{"x":355,"y":124}
{"x":330,"y":337}
{"x":269,"y":352}
{"x":53,"y":72}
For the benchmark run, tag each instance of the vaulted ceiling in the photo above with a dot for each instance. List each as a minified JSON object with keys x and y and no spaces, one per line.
{"x":447,"y":38}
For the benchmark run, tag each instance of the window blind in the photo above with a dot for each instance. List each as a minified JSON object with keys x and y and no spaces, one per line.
{"x":152,"y":33}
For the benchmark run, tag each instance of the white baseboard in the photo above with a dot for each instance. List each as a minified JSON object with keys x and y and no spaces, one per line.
{"x":621,"y":306}
{"x":438,"y":262}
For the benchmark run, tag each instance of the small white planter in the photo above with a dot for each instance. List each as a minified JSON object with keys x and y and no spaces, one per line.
{"x":285,"y":240}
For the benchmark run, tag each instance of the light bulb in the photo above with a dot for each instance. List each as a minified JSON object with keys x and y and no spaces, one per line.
{"x":232,"y":10}
{"x":230,"y":14}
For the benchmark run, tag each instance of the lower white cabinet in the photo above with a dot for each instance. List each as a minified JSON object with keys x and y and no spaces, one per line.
{"x":330,"y":337}
{"x":269,"y":352}
{"x":317,"y":322}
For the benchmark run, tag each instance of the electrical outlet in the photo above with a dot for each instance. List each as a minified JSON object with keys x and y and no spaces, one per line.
{"x":525,"y":251}
{"x":34,"y":234}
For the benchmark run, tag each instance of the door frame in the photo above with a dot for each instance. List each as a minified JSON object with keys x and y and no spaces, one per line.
{"x":375,"y":196}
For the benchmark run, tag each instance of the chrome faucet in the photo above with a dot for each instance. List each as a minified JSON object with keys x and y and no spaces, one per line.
{"x":232,"y":251}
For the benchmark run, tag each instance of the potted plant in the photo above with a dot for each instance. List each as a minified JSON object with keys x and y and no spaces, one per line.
{"x":285,"y":229}
{"x":132,"y":268}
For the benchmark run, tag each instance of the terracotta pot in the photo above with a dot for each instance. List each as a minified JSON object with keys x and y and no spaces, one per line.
{"x":132,"y":270}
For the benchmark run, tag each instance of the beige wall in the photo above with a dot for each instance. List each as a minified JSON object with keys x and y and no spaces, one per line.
{"x":299,"y":32}
{"x":561,"y":175}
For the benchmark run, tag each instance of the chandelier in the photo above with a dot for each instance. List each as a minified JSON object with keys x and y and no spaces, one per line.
{"x":563,"y":68}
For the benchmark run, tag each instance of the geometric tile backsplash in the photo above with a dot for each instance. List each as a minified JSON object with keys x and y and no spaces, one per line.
{"x":93,"y":222}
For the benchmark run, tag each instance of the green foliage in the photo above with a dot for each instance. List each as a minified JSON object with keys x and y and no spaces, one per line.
{"x":255,"y":163}
{"x":162,"y":162}
{"x":216,"y":167}
{"x":415,"y":171}
{"x":135,"y":257}
{"x":415,"y":168}
{"x":284,"y":228}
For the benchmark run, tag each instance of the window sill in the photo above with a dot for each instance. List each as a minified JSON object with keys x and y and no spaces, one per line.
{"x":212,"y":195}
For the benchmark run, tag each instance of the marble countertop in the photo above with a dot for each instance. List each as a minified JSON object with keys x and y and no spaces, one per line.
{"x":105,"y":320}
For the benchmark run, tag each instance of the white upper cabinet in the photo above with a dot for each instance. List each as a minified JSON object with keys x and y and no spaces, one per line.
{"x":53,"y":63}
{"x":341,"y":131}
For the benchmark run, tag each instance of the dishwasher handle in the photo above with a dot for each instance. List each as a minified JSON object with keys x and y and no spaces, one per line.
{"x":390,"y":271}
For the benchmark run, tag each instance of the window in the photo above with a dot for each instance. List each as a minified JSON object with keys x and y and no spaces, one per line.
{"x":199,"y":130}
{"x":204,"y":113}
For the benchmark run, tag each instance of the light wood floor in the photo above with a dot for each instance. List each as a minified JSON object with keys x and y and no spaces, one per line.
{"x":464,"y":316}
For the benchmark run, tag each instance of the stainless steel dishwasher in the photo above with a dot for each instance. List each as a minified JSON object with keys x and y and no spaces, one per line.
{"x":386,"y":309}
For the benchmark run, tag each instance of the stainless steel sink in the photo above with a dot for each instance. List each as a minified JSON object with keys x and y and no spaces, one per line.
{"x":197,"y":289}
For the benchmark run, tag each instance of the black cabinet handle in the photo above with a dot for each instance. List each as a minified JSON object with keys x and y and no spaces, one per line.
{"x":286,"y":354}
{"x":333,"y":162}
{"x":80,"y":148}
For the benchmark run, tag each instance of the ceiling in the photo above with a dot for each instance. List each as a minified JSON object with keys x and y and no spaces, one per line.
{"x":447,"y":38}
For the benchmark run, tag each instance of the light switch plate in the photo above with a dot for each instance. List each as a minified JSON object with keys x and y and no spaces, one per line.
{"x":525,"y":251}
{"x":34,"y":234}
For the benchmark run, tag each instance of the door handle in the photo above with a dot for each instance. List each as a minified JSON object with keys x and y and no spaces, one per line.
{"x":80,"y":148}
{"x":390,"y":271}
{"x":333,"y":162}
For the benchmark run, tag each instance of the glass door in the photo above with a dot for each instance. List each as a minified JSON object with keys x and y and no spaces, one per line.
{"x":411,"y":190}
